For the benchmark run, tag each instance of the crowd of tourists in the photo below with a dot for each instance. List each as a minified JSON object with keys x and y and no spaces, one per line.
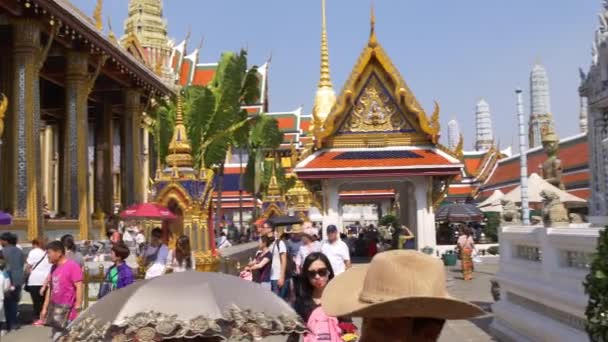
{"x":315,"y":275}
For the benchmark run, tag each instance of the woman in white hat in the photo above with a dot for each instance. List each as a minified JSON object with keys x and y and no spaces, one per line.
{"x":401,"y":296}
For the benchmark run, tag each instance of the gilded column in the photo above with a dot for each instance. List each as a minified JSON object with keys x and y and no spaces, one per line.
{"x":26,"y":111}
{"x":7,"y":146}
{"x":145,"y":164}
{"x":131,"y":156}
{"x":75,"y":155}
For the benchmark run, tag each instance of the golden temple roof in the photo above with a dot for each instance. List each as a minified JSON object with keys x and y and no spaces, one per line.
{"x":375,"y":61}
{"x":180,"y":150}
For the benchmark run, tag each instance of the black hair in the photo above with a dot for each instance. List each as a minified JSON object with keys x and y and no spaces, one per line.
{"x":121,"y":250}
{"x":9,"y":237}
{"x":157,"y":233}
{"x":266,"y":240}
{"x":56,"y":246}
{"x":305,"y":305}
{"x":68,"y":242}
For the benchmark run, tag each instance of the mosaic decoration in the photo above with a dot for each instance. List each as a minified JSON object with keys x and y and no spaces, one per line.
{"x":72,"y":168}
{"x":375,"y":111}
{"x":21,"y":208}
{"x":355,"y":155}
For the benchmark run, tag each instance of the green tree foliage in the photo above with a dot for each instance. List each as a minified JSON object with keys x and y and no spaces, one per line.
{"x":214,"y":116}
{"x":264,"y":136}
{"x":596,"y":287}
{"x":163,"y":126}
{"x":492,"y":224}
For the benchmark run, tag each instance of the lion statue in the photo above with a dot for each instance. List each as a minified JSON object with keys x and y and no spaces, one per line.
{"x":510,"y":212}
{"x":554,"y":211}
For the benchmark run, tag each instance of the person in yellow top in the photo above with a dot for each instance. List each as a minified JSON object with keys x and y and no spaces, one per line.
{"x":406,"y":238}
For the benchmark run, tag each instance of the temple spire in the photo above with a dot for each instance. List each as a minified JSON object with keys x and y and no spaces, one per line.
{"x":373,"y":40}
{"x":97,"y":15}
{"x":325,"y":97}
{"x":325,"y":80}
{"x":180,"y":151}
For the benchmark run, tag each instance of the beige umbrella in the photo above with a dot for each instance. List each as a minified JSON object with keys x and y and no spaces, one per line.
{"x":492,"y":203}
{"x":536,"y":185}
{"x":186,"y":306}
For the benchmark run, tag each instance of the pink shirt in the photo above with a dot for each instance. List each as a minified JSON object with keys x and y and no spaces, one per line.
{"x":63,"y":284}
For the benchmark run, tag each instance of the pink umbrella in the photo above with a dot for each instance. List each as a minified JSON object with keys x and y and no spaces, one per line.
{"x":147,"y":211}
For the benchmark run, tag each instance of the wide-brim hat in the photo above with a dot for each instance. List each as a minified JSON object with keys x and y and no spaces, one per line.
{"x":396,"y":284}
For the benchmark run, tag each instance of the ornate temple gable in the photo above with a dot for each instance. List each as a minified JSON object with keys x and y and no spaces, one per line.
{"x":374,"y":111}
{"x":133,"y":46}
{"x":409,"y":124}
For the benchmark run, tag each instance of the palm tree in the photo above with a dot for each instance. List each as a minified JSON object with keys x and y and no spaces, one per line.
{"x":264,"y":136}
{"x":215,"y":117}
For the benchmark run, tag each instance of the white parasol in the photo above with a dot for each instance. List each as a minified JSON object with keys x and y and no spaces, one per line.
{"x":536,"y":185}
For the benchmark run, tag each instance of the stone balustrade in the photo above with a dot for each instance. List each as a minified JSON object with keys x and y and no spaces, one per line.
{"x":541,"y":278}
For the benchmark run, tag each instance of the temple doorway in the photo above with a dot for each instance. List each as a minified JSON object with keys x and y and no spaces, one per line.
{"x":173,"y":229}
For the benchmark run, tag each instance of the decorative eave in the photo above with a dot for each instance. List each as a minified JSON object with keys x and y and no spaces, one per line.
{"x":401,"y":92}
{"x":60,"y":11}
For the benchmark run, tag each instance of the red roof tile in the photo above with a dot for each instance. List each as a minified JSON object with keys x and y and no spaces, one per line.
{"x":472,"y":164}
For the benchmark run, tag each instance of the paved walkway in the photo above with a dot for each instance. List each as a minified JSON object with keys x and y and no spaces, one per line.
{"x":476,"y":291}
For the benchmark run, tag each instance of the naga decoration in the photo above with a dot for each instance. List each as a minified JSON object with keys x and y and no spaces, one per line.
{"x":459,"y":150}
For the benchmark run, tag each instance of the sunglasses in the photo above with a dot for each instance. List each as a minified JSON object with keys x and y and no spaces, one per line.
{"x":322,"y":272}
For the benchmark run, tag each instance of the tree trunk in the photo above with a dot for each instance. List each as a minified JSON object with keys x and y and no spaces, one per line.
{"x":218,"y":207}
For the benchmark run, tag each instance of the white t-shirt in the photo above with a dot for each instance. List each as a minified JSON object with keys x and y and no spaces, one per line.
{"x":337,"y":253}
{"x":306,"y":250}
{"x":176,"y":266}
{"x":277,"y":250}
{"x":41,"y":272}
{"x":158,"y":267}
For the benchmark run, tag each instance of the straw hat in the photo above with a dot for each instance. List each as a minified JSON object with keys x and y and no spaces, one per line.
{"x":396,"y":284}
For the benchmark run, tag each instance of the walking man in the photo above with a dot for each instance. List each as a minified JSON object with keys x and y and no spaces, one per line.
{"x":336,"y":251}
{"x":65,"y":290}
{"x":15,"y":261}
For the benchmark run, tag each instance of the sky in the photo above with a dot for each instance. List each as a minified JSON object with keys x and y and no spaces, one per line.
{"x":454,"y":52}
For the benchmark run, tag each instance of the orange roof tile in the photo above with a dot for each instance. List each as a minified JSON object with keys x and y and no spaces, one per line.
{"x":472,"y":164}
{"x":460,"y":190}
{"x":203,"y":77}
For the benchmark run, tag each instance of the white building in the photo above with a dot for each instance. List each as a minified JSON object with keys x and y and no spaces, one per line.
{"x":540,"y":104}
{"x":483,"y":126}
{"x":594,"y":88}
{"x":453,"y":134}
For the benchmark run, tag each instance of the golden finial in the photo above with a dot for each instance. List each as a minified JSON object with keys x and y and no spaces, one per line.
{"x":373,"y":40}
{"x":325,"y":97}
{"x":325,"y":80}
{"x":97,"y":15}
{"x":180,"y":145}
{"x":273,"y":186}
{"x":111,"y":35}
{"x":3,"y":107}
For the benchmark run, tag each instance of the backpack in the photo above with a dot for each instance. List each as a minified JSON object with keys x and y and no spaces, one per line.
{"x":290,"y":268}
{"x":322,"y":327}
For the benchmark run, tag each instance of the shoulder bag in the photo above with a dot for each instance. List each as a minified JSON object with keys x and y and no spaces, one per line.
{"x":27,"y":275}
{"x":58,"y":315}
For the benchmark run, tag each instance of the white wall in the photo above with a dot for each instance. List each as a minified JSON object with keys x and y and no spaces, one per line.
{"x":541,"y":278}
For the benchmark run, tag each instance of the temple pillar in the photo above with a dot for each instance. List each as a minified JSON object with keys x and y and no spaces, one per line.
{"x":8,"y":138}
{"x":26,"y":111}
{"x":131,"y":165}
{"x":145,"y":167}
{"x":331,"y":194}
{"x":104,"y":158}
{"x":75,"y":155}
{"x":425,"y":216}
{"x":47,"y":165}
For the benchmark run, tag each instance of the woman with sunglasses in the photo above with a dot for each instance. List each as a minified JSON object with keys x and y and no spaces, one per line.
{"x":316,"y":274}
